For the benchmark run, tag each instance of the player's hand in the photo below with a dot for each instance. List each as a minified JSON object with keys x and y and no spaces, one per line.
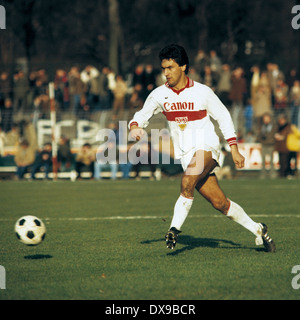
{"x":136,"y":133}
{"x":238,"y":159}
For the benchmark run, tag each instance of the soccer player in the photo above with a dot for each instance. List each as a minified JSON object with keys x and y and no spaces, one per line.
{"x":188,"y":106}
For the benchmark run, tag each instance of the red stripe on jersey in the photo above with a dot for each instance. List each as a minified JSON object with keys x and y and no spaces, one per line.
{"x":191,"y":115}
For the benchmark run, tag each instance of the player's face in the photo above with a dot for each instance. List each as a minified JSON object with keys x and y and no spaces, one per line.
{"x":174,"y":73}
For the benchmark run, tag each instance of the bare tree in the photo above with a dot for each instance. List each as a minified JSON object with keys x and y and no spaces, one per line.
{"x":114,"y":34}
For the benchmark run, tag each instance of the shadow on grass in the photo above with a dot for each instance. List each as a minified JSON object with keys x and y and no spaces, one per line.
{"x":191,"y":243}
{"x":38,"y":257}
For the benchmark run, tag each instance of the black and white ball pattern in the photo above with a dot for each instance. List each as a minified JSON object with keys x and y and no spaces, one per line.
{"x":30,"y":230}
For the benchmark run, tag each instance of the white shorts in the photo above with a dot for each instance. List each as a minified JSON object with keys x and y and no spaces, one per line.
{"x":187,"y":158}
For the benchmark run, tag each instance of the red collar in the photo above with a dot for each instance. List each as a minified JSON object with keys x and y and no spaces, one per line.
{"x":190,"y":83}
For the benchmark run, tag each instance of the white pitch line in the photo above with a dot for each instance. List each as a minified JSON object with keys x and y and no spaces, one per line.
{"x":107,"y":218}
{"x":157,"y":217}
{"x":164,"y":217}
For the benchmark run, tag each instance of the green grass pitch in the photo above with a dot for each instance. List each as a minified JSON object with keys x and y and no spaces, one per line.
{"x":105,"y":241}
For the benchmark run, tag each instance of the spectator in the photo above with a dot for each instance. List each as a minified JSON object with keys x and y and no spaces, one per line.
{"x":119,"y":94}
{"x":193,"y":75}
{"x":254,"y":82}
{"x":84,"y":109}
{"x":61,"y":83}
{"x":293,"y":145}
{"x":28,"y":132}
{"x":292,"y":77}
{"x":85,"y":158}
{"x":281,"y":97}
{"x":20,"y":91}
{"x":284,"y":129}
{"x":38,"y":85}
{"x":42,"y":76}
{"x":13,"y":136}
{"x":107,"y":152}
{"x":266,"y":137}
{"x":248,"y":116}
{"x":32,"y":88}
{"x":38,"y":82}
{"x":111,"y":76}
{"x":145,"y":154}
{"x":5,"y":87}
{"x":39,"y":89}
{"x":215,"y":62}
{"x":43,"y":160}
{"x":107,"y":157}
{"x":224,"y":85}
{"x":126,"y":166}
{"x":24,"y":159}
{"x":40,"y":108}
{"x":261,"y":98}
{"x":139,"y":76}
{"x":294,"y":98}
{"x":36,"y":110}
{"x":274,"y":74}
{"x":250,"y":137}
{"x":236,"y":95}
{"x":104,"y":91}
{"x":136,"y":103}
{"x":7,"y":114}
{"x":138,"y":81}
{"x":149,"y":79}
{"x":209,"y":78}
{"x":64,"y":154}
{"x":2,"y":142}
{"x":76,"y":87}
{"x":201,"y":60}
{"x":166,"y":147}
{"x":90,"y":77}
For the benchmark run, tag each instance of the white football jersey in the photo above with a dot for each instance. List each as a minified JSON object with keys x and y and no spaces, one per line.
{"x":188,"y":113}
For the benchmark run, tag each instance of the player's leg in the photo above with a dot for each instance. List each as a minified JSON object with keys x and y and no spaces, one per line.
{"x":199,"y":168}
{"x":212,"y":192}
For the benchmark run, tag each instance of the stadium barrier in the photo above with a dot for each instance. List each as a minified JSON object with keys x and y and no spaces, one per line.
{"x":251,"y":151}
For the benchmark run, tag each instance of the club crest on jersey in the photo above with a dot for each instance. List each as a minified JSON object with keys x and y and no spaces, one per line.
{"x":182,"y":122}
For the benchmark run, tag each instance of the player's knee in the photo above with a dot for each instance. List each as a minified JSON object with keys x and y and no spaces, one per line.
{"x":220,"y":205}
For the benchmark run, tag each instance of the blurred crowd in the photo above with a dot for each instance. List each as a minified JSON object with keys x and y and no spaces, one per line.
{"x":251,"y":96}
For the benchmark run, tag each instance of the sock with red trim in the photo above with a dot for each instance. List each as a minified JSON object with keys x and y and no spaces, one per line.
{"x":181,"y":211}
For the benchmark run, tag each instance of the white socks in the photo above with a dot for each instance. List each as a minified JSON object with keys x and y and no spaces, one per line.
{"x":237,"y":214}
{"x":181,"y":211}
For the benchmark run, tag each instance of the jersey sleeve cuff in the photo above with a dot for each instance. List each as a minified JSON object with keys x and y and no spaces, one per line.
{"x":134,"y":123}
{"x":232,"y":142}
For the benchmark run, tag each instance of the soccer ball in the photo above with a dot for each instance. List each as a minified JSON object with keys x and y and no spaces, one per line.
{"x":30,"y":230}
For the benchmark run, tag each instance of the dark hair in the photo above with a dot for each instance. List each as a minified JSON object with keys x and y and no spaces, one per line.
{"x":176,"y":53}
{"x":24,"y":143}
{"x":87,"y":145}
